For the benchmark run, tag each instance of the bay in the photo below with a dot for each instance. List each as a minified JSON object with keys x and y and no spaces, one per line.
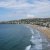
{"x":14,"y":37}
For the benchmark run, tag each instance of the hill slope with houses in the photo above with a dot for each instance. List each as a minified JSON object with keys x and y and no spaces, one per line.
{"x":34,"y":21}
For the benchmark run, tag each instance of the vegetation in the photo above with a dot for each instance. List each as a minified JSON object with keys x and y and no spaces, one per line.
{"x":36,"y":21}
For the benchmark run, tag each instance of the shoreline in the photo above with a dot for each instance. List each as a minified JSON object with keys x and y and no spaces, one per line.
{"x":42,"y":36}
{"x":44,"y":30}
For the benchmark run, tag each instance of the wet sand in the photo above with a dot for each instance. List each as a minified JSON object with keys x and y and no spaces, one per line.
{"x":45,"y":31}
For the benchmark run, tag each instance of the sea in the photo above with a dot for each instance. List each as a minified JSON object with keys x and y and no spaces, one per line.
{"x":14,"y":37}
{"x":20,"y":37}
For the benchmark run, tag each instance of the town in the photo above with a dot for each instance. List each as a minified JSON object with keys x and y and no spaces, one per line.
{"x":35,"y":21}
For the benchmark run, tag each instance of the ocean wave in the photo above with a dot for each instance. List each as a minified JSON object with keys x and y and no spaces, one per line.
{"x":36,"y":41}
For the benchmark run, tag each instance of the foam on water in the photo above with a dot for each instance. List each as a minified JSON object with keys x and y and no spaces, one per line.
{"x":38,"y":41}
{"x":28,"y":47}
{"x":35,"y":41}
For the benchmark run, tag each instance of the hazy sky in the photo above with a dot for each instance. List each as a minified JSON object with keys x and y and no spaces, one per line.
{"x":17,"y":9}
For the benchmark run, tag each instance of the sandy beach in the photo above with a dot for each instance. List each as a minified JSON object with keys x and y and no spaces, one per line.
{"x":45,"y":31}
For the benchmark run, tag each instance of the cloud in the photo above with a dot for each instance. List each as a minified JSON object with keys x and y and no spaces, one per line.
{"x":26,"y":8}
{"x":23,"y":3}
{"x":30,"y":16}
{"x":14,"y":4}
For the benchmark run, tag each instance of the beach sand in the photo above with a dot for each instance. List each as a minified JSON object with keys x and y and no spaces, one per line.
{"x":45,"y":31}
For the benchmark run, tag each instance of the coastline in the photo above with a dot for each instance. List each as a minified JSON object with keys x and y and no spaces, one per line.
{"x":44,"y":30}
{"x":44,"y":40}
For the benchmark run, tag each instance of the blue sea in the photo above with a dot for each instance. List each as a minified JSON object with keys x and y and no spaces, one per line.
{"x":14,"y":37}
{"x":21,"y":37}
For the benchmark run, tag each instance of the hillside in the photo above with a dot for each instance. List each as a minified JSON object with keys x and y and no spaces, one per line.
{"x":35,"y":21}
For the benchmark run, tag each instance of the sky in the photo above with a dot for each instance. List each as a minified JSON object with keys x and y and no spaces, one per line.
{"x":21,"y":9}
